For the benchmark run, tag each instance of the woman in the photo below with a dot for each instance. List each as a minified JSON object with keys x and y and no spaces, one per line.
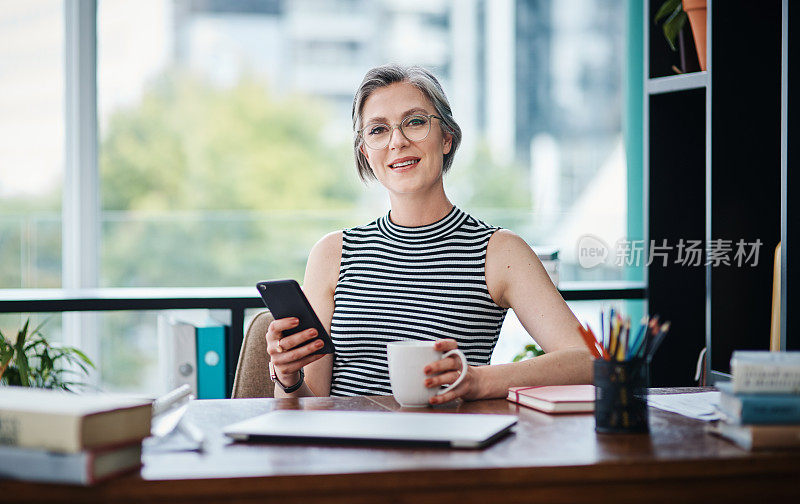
{"x":425,"y":271}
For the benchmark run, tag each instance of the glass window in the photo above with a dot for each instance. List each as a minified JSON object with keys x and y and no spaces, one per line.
{"x":225,"y":143}
{"x":31,"y":152}
{"x":31,"y":143}
{"x":225,"y":135}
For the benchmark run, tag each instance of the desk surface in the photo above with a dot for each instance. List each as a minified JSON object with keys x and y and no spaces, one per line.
{"x":548,"y":459}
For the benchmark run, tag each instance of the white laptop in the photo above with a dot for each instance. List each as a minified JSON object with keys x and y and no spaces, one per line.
{"x":444,"y":429}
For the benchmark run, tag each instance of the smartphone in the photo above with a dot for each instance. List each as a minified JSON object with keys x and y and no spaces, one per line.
{"x":285,"y":298}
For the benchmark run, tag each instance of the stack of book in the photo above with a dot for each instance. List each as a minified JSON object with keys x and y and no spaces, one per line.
{"x":760,"y":406}
{"x":59,"y":437}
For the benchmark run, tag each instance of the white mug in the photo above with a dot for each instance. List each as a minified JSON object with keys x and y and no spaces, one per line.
{"x":407,"y":360}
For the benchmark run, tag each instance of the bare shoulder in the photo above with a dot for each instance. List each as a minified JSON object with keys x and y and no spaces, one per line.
{"x":329,"y":246}
{"x":505,"y":245}
{"x":324,"y":261}
{"x":510,"y":263}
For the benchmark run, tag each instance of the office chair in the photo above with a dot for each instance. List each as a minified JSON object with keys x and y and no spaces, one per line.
{"x":252,"y":374}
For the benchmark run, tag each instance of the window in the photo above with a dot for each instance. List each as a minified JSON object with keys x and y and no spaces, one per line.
{"x":31,"y":148}
{"x":31,"y":143}
{"x":229,"y":160}
{"x":224,"y":142}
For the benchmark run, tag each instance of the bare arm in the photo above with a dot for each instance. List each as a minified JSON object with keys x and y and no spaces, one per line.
{"x":321,"y":277}
{"x":517,"y":280}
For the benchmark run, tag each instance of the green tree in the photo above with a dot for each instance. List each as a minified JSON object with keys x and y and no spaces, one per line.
{"x":189,"y":145}
{"x":209,"y":174}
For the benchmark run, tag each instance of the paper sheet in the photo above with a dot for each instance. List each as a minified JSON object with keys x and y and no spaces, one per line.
{"x":699,"y":405}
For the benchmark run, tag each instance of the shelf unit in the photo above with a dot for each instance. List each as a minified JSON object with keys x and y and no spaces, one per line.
{"x":712,"y":171}
{"x":674,"y":83}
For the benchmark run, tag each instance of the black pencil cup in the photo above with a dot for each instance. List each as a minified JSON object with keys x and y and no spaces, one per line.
{"x":620,"y":403}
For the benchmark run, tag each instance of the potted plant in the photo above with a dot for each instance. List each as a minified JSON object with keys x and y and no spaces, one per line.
{"x":529,"y":352}
{"x":31,"y":361}
{"x":674,"y":14}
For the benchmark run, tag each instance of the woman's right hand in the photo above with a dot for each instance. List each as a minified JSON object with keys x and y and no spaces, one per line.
{"x":285,"y":352}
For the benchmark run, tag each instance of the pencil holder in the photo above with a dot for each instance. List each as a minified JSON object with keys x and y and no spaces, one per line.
{"x":620,"y":404}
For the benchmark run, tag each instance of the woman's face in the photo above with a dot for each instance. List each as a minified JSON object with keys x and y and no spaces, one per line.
{"x":390,"y":105}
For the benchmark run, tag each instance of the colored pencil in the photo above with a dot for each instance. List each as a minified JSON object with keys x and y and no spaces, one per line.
{"x":590,"y":342}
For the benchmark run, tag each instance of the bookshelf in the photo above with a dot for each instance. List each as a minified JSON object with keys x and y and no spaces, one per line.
{"x":676,"y":83}
{"x":713,"y":172}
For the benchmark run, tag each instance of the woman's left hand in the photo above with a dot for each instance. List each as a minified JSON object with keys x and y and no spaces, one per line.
{"x":446,"y":371}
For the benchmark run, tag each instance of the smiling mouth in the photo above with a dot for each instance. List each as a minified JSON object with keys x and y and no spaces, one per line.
{"x":404,"y":164}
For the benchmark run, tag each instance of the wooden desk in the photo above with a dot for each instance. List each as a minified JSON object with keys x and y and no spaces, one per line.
{"x":549,"y":459}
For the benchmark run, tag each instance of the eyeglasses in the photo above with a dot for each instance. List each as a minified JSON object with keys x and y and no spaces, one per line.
{"x":414,"y":127}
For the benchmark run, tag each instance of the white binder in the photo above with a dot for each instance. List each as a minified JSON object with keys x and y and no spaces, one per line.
{"x":177,"y":353}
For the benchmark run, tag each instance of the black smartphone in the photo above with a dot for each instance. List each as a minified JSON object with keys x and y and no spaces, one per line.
{"x":285,"y":298}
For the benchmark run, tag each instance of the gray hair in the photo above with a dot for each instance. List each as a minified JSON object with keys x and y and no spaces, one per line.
{"x":425,"y":81}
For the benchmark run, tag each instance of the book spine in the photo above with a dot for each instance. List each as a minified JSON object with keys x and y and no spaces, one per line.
{"x":60,"y":433}
{"x":40,"y":465}
{"x":211,"y":376}
{"x":184,"y":364}
{"x":81,"y":468}
{"x":752,"y":377}
{"x":769,"y":410}
{"x":177,"y":353}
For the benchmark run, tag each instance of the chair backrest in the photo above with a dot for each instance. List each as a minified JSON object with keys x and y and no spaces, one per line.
{"x":252,"y":373}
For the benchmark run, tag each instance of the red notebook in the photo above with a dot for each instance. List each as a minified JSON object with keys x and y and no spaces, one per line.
{"x":555,"y":398}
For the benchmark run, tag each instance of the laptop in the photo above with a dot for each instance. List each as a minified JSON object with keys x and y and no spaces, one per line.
{"x":370,"y":427}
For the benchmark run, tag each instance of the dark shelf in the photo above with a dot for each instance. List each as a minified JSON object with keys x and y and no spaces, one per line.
{"x":745,"y":173}
{"x":677,"y":195}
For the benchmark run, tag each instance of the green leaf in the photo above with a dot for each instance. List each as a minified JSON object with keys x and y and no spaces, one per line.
{"x":668,"y":8}
{"x":21,"y":335}
{"x":82,"y":356}
{"x":32,"y":362}
{"x":39,"y":327}
{"x":24,"y":369}
{"x":673,"y":26}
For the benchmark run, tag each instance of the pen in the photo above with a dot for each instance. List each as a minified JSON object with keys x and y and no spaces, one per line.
{"x":590,"y":341}
{"x":622,"y":352}
{"x":602,"y":330}
{"x":603,"y":352}
{"x":658,"y":339}
{"x":193,"y":433}
{"x":648,"y":336}
{"x":170,"y":399}
{"x":585,"y":338}
{"x":637,"y":340}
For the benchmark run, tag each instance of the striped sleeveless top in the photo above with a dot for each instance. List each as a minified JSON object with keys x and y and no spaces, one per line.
{"x":410,"y":283}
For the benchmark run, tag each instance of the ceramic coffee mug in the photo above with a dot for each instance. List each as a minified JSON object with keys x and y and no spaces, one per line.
{"x":407,"y":360}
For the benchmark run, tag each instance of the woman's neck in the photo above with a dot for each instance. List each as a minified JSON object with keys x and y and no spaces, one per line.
{"x":412,"y":210}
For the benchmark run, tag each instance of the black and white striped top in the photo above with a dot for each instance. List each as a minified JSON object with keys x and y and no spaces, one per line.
{"x":410,"y":283}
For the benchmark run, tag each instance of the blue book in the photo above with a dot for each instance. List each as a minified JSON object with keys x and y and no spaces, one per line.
{"x":744,"y":409}
{"x":211,"y":360}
